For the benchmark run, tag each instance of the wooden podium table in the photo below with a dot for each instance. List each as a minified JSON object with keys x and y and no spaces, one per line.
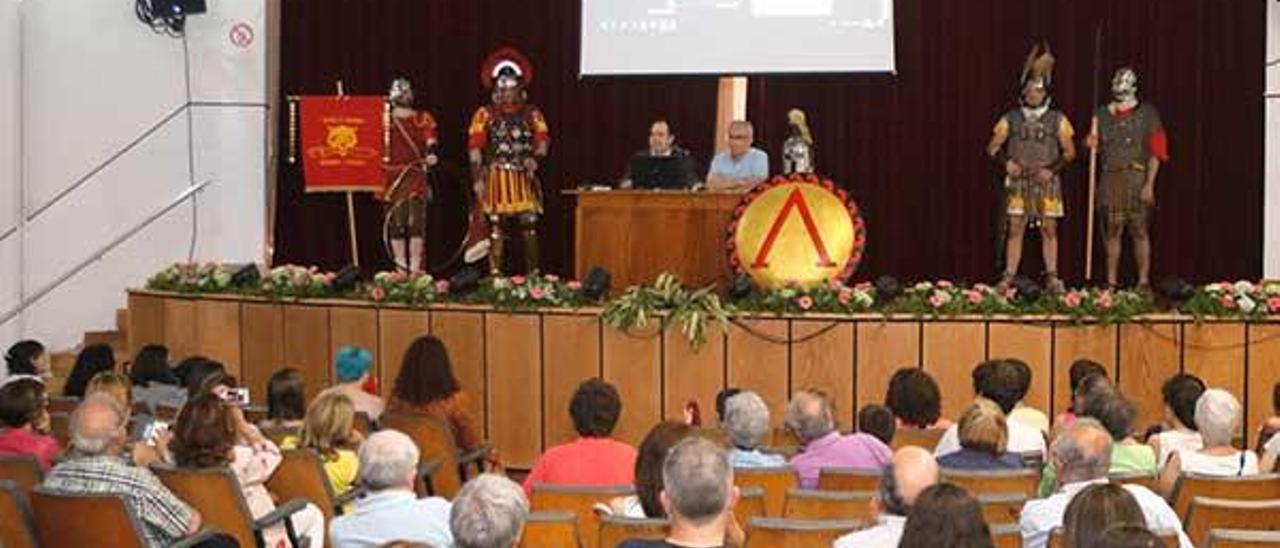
{"x":638,"y":234}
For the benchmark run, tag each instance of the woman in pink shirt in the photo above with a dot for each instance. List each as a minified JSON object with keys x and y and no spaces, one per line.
{"x":24,"y":413}
{"x":594,"y":458}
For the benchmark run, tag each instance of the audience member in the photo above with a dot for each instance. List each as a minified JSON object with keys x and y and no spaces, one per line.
{"x":809,"y":417}
{"x":999,"y":381}
{"x":877,"y":420}
{"x":426,"y":385}
{"x":193,"y":371}
{"x":648,"y":471}
{"x":154,"y":383}
{"x":27,"y":357}
{"x":1217,"y":416}
{"x":1023,"y":413}
{"x":206,"y":434}
{"x":24,"y":411}
{"x":117,"y":386}
{"x":1115,"y":413}
{"x":1095,"y":509}
{"x":1268,"y":441}
{"x":945,"y":516}
{"x":95,"y":466}
{"x":489,"y":512}
{"x":352,"y":366}
{"x":912,"y":471}
{"x":915,"y":400}
{"x":1080,"y":370}
{"x":286,"y":401}
{"x":698,"y":495}
{"x":1180,"y":393}
{"x":747,"y":422}
{"x":722,"y":398}
{"x":94,"y":359}
{"x":329,"y":430}
{"x":391,"y":510}
{"x":1082,"y":456}
{"x":984,"y":438}
{"x":595,"y":458}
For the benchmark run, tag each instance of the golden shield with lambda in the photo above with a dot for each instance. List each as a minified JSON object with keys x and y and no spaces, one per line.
{"x":797,"y":230}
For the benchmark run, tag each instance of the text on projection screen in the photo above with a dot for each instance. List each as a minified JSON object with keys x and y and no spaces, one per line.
{"x":736,"y":36}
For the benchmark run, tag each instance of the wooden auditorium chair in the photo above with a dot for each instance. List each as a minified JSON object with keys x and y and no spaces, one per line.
{"x":1205,"y":514}
{"x":916,"y":437}
{"x":17,"y":526}
{"x":578,"y":500}
{"x":615,"y":529}
{"x":22,"y":470}
{"x":776,"y":532}
{"x":365,"y":424}
{"x":216,"y":494}
{"x":750,"y":504}
{"x":1242,"y":538}
{"x":1150,"y":481}
{"x":63,"y":404}
{"x":977,"y":482}
{"x":813,"y":504}
{"x":1006,"y":536}
{"x":436,"y":442}
{"x":1001,"y":508}
{"x":301,"y":475}
{"x":550,"y":529}
{"x":774,"y":480}
{"x":100,"y":520}
{"x":848,"y":479}
{"x":60,"y":428}
{"x":1189,"y":486}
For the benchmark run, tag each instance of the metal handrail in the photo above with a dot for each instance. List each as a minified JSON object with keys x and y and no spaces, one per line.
{"x":186,"y":194}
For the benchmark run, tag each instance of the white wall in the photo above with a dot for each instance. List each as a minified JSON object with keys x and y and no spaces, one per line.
{"x":118,"y":123}
{"x":10,"y":168}
{"x":1271,"y":239}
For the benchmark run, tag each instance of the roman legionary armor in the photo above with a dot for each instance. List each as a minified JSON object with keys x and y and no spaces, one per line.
{"x":1128,"y":138}
{"x":412,"y":140}
{"x":1034,"y":143}
{"x":506,"y":139}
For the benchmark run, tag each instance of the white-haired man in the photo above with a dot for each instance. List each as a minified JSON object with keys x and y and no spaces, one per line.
{"x":489,"y":512}
{"x":392,"y":511}
{"x":698,"y":495}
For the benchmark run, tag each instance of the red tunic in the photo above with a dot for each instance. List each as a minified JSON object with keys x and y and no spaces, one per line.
{"x":412,"y":137}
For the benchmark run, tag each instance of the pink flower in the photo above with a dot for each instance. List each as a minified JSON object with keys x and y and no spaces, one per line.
{"x":442,"y":286}
{"x":1273,"y":304}
{"x":1010,"y":293}
{"x":835,"y":285}
{"x":1228,"y":302}
{"x":377,"y":294}
{"x":517,"y":280}
{"x":1105,"y":300}
{"x":945,"y":284}
{"x":845,"y":296}
{"x":805,"y":302}
{"x":551,"y":278}
{"x":537,"y":293}
{"x":573,"y":285}
{"x":973,"y":296}
{"x":936,"y":301}
{"x":1071,"y":299}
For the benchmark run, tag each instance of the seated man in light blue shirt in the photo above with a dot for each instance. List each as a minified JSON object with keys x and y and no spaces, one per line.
{"x":392,"y":511}
{"x":742,"y":166}
{"x":746,"y":420}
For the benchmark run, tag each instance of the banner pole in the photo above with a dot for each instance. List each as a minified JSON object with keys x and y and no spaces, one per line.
{"x":351,"y":224}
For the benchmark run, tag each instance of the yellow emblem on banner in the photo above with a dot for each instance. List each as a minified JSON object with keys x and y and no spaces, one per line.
{"x":796,"y":231}
{"x":342,"y":143}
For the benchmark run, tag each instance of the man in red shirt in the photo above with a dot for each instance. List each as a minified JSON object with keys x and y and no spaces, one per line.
{"x":594,"y":458}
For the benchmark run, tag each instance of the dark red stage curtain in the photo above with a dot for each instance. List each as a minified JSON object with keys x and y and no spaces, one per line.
{"x":909,"y":145}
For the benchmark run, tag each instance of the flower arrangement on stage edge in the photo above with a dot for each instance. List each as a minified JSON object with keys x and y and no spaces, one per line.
{"x":192,"y":278}
{"x":833,"y":297}
{"x":395,"y":286}
{"x":527,"y":292}
{"x":945,"y":298}
{"x":668,"y":302}
{"x":296,"y":282}
{"x":1102,"y":305}
{"x":1242,"y":299}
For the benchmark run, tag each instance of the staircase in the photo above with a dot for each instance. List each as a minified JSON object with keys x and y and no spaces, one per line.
{"x":62,"y":362}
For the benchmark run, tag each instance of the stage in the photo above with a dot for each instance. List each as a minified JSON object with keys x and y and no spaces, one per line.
{"x":521,"y":368}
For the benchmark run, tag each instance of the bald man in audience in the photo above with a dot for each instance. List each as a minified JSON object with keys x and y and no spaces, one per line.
{"x":809,"y":417}
{"x":698,"y":495}
{"x":1082,"y":455}
{"x":96,"y":467}
{"x":391,"y":510}
{"x":913,"y":470}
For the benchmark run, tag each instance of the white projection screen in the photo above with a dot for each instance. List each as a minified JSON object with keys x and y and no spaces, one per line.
{"x":736,"y":36}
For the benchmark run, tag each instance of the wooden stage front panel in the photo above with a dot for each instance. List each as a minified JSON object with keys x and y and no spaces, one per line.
{"x":521,"y":369}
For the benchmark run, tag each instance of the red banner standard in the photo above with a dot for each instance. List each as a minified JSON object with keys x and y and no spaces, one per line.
{"x":797,"y":230}
{"x":343,"y":143}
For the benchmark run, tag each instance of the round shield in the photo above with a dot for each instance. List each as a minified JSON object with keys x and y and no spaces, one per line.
{"x":796,"y":230}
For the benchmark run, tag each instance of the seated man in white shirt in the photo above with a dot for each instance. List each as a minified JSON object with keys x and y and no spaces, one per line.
{"x":392,"y":511}
{"x":999,"y":381}
{"x":742,"y":166}
{"x":912,"y":471}
{"x":1082,"y":456}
